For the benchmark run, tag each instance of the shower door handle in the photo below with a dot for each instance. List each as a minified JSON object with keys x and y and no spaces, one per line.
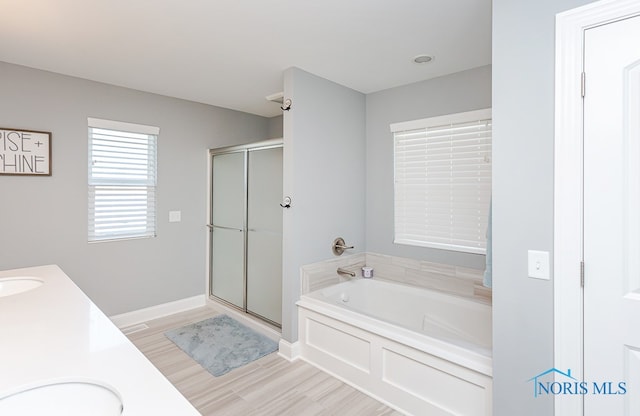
{"x":213,"y":227}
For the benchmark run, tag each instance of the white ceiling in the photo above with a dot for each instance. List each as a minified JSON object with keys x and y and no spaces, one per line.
{"x":232,"y":53}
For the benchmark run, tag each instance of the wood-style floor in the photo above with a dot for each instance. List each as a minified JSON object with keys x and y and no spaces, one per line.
{"x":268,"y":386}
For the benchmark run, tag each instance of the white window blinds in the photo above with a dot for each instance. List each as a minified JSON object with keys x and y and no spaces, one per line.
{"x":443,"y":181}
{"x":122,"y":180}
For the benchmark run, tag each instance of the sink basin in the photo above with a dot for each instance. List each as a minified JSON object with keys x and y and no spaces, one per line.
{"x":68,"y":398}
{"x":14,"y":285}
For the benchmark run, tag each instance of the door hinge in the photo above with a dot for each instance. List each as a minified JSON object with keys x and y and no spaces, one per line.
{"x":582,"y":84}
{"x":582,"y":274}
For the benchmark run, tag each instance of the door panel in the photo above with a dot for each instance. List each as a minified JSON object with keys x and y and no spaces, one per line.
{"x":228,"y":193}
{"x":265,"y":189}
{"x":246,"y":224}
{"x":264,"y":275}
{"x":227,"y":281}
{"x":228,"y":234}
{"x":264,"y":246}
{"x":612,"y":216}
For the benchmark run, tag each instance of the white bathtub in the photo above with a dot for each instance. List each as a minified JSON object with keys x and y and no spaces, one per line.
{"x":419,"y":351}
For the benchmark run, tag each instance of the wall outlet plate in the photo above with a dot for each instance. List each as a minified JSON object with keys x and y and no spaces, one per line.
{"x":539,"y":267}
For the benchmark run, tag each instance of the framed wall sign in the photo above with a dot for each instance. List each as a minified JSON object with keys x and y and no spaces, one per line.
{"x":25,"y":152}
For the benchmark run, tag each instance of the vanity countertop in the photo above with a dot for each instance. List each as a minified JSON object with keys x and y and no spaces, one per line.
{"x":54,"y":333}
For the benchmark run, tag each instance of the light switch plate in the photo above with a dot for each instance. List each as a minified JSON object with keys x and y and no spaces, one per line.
{"x":174,"y":216}
{"x":539,"y":267}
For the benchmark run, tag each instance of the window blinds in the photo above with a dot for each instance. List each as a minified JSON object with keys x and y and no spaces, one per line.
{"x":122,"y":180}
{"x":443,"y":181}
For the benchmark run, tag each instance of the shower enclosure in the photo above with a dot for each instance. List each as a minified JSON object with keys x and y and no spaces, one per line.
{"x":245,"y":228}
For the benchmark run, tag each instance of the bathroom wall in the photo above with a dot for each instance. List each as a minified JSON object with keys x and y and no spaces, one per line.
{"x":462,"y":91}
{"x":275,"y":127}
{"x":324,"y":170}
{"x":44,"y":219}
{"x":523,"y":145}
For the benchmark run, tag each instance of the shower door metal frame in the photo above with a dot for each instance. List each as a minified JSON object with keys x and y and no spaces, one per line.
{"x":244,"y":149}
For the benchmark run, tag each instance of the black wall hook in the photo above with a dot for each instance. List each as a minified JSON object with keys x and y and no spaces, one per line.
{"x":286,"y":105}
{"x":287,"y":202}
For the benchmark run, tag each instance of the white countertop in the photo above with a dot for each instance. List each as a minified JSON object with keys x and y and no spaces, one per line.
{"x":55,"y":333}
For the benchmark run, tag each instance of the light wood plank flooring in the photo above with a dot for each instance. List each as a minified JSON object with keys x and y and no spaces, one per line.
{"x":268,"y":386}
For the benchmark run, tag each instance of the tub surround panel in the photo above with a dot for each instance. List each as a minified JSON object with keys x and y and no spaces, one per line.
{"x":447,"y":278}
{"x":350,"y":349}
{"x":407,"y":370}
{"x":319,"y":275}
{"x":408,"y":379}
{"x":457,"y":280}
{"x":482,"y":292}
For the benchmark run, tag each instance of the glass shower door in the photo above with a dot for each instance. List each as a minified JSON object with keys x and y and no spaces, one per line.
{"x":264,"y":234}
{"x":228,"y":227}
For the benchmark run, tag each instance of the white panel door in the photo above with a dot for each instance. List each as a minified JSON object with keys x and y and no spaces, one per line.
{"x":612,"y":218}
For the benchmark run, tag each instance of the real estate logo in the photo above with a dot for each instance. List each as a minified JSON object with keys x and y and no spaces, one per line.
{"x":566,"y":384}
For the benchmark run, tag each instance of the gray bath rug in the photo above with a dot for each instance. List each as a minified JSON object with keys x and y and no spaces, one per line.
{"x":220,"y":344}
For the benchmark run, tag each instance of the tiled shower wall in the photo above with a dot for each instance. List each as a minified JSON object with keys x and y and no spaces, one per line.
{"x":460,"y":281}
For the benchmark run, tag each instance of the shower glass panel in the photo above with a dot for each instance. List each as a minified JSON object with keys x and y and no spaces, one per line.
{"x":264,"y":238}
{"x":228,"y":224}
{"x":246,"y":228}
{"x":228,"y":262}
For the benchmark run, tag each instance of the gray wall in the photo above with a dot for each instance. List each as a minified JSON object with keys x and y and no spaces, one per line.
{"x":44,"y":219}
{"x":463,"y":91}
{"x":276,"y":127}
{"x":324,"y":153}
{"x":523,"y":90}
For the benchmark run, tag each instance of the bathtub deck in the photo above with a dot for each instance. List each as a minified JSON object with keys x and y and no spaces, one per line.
{"x":268,"y":386}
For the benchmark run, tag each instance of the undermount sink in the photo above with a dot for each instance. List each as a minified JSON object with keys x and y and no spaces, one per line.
{"x":14,"y":285}
{"x":68,"y":398}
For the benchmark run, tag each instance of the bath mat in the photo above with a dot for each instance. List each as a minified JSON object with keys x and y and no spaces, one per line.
{"x":221,"y":343}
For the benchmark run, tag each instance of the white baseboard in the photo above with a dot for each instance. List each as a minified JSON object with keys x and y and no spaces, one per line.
{"x":289,"y":351}
{"x":158,"y":311}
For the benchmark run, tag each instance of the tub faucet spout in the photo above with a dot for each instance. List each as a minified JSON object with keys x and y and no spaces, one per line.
{"x":343,"y":272}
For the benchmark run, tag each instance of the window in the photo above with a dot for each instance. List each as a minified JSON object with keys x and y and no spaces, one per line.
{"x":443,"y":181}
{"x":122,"y":180}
